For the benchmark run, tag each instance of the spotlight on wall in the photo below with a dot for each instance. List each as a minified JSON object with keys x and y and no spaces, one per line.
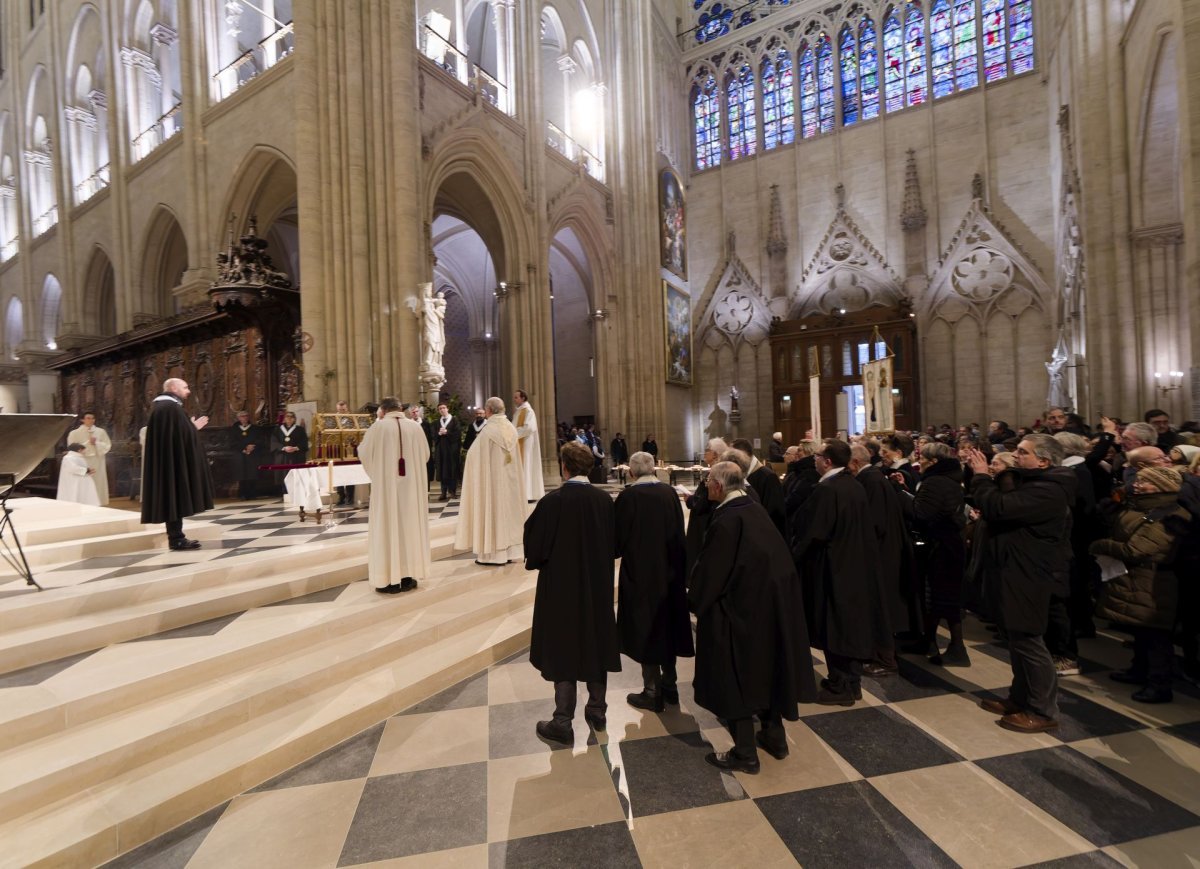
{"x":1169,"y":381}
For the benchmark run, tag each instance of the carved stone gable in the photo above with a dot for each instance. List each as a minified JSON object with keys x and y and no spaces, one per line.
{"x":847,"y":272}
{"x":734,"y":308}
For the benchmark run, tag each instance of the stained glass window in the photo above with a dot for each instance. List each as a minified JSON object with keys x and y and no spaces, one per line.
{"x":739,"y":104}
{"x":1020,"y":35}
{"x":966,"y":47}
{"x":995,"y":62}
{"x":941,"y":55}
{"x":808,"y":92}
{"x":868,"y":63}
{"x":713,"y":22}
{"x":706,"y":118}
{"x":825,"y":83}
{"x":779,"y":101}
{"x":893,"y":62}
{"x":914,"y":55}
{"x":848,"y":59}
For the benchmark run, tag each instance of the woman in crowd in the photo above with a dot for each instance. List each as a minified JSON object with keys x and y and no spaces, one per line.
{"x":1144,"y":598}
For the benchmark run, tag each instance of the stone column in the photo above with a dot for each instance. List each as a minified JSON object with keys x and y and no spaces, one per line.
{"x":359,"y":192}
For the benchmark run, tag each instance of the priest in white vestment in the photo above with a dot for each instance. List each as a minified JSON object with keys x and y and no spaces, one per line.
{"x":76,"y":481}
{"x":96,"y":445}
{"x":398,"y":520}
{"x":531,"y":448}
{"x":491,"y":521}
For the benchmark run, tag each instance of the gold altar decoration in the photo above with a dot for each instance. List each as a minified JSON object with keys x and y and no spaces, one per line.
{"x":339,"y":434}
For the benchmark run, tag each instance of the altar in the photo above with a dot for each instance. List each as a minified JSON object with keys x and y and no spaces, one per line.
{"x":307,"y":484}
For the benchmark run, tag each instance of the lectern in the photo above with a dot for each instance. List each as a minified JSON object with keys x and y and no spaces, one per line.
{"x":25,"y":439}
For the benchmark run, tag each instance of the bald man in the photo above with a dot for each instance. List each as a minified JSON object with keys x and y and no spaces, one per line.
{"x":175,"y":477}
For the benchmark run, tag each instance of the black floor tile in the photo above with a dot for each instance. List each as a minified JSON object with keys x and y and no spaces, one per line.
{"x":259,"y":526}
{"x":105,"y":562}
{"x":603,"y":846}
{"x":511,"y":727}
{"x":669,"y":773}
{"x":848,"y":825}
{"x":1081,"y":718}
{"x":1097,"y":803}
{"x":996,"y":650}
{"x":139,"y":569}
{"x":1087,"y":860}
{"x":200,"y":629}
{"x":171,"y":850}
{"x":39,"y":673}
{"x":349,"y":760}
{"x":286,"y":532}
{"x":466,"y":694}
{"x":869,"y":737}
{"x":1190,"y":732}
{"x":911,"y":683}
{"x":325,"y":595}
{"x":418,"y":812}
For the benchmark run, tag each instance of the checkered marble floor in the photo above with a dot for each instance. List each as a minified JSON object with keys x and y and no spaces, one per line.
{"x":915,"y":774}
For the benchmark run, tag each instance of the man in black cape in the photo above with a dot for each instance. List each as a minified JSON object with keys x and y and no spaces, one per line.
{"x":289,"y":446}
{"x":652,"y":611}
{"x":248,"y":443}
{"x":446,"y":448}
{"x":569,"y":541}
{"x":752,"y":652}
{"x":766,"y":484}
{"x":474,"y":428}
{"x":837,"y":556}
{"x":175,"y":477}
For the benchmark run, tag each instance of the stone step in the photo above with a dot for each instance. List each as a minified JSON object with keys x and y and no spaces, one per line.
{"x":120,"y":812}
{"x":88,"y":754}
{"x":120,"y":677}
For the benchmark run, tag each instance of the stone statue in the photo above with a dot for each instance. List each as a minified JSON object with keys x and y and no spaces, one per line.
{"x":433,"y":317}
{"x":734,"y":395}
{"x":1057,"y":395}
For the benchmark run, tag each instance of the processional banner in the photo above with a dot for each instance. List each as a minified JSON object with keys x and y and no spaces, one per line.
{"x":814,"y":405}
{"x":878,"y":398}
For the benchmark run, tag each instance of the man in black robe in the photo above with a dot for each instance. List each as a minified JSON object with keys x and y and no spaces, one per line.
{"x":175,"y":477}
{"x":474,"y":428}
{"x":248,"y":444}
{"x":446,"y":447}
{"x":569,"y":540}
{"x":289,"y":446}
{"x":652,"y":610}
{"x":895,"y":554}
{"x":766,"y":484}
{"x":837,"y":556}
{"x":752,"y":652}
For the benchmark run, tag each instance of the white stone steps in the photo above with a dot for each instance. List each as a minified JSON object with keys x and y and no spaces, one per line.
{"x":86,"y":755}
{"x":116,"y":684}
{"x":138,"y":803}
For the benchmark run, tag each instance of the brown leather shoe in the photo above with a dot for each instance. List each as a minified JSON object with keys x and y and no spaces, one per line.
{"x":999,"y":707}
{"x":1027,"y":722}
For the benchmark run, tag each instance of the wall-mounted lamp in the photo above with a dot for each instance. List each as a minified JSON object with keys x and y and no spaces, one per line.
{"x":1169,"y":381}
{"x":600,"y":314}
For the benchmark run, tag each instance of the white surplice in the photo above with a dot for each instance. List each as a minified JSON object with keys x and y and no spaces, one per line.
{"x":525,"y":421}
{"x":398,"y":520}
{"x":74,"y":482}
{"x":491,"y":521}
{"x":94,"y":455}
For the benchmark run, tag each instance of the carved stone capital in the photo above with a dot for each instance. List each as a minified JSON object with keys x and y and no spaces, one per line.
{"x":163,"y":35}
{"x":82,"y":117}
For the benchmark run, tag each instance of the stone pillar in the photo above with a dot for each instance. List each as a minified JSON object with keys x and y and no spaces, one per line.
{"x":777,"y":258}
{"x":359,"y":195}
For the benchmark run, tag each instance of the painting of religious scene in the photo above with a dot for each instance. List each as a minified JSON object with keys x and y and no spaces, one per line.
{"x":674,"y":243}
{"x":679,"y":335}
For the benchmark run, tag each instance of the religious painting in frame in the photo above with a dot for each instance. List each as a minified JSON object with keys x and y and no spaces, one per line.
{"x":679,"y":335}
{"x":672,"y":218}
{"x":877,"y":397}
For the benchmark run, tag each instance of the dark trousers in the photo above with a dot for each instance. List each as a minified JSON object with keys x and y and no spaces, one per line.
{"x":1153,"y":656}
{"x":248,"y":489}
{"x":845,"y":674}
{"x":742,"y":731}
{"x":449,"y":483}
{"x":564,"y":700}
{"x":1060,"y":636}
{"x":345,"y":494}
{"x":1035,"y":681}
{"x":174,"y":530}
{"x":885,"y":656}
{"x":660,"y":678}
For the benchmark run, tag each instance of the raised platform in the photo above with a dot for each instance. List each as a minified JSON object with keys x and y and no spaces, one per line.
{"x":136,"y":701}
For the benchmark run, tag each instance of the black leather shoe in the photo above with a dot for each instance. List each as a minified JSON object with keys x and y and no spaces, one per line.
{"x":389,"y":589}
{"x":776,"y":751}
{"x":671,"y":696}
{"x":824,"y":686}
{"x":646,"y":700}
{"x":408,"y":584}
{"x":556,"y":732}
{"x":1127,"y":677}
{"x":829,"y":697}
{"x":1150,"y":694}
{"x":598,"y":722}
{"x":877,"y":671}
{"x":730,"y":762}
{"x":179,"y":545}
{"x":955,"y":657}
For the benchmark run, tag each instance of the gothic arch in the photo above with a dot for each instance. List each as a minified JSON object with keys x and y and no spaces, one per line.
{"x":51,"y":305}
{"x":578,"y":213}
{"x":264,"y":187}
{"x":99,"y":295}
{"x":164,"y":260}
{"x":1159,"y":179}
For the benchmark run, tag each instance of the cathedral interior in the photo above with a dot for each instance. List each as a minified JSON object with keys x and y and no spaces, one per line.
{"x":659,"y":216}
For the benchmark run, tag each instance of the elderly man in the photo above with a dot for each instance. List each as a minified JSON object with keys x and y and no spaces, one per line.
{"x":765,"y":483}
{"x":837,"y":556}
{"x":752,"y":654}
{"x":1027,"y":555}
{"x":248,"y":444}
{"x":175,"y":476}
{"x":96,"y":445}
{"x":493,"y":495}
{"x":568,"y":540}
{"x":525,"y":421}
{"x":699,"y":507}
{"x":652,"y":612}
{"x":398,"y":524}
{"x":775,"y":449}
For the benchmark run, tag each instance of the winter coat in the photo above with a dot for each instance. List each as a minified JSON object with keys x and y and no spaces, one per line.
{"x":1142,"y":538}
